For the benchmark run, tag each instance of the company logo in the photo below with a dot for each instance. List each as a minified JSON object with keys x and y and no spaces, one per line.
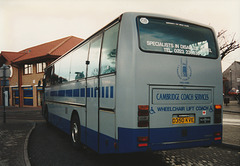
{"x":184,"y":71}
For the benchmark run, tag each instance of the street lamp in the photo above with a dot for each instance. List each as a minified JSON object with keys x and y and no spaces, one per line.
{"x":4,"y":74}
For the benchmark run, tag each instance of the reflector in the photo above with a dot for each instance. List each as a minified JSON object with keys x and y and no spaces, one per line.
{"x":142,"y":144}
{"x":217,"y":138}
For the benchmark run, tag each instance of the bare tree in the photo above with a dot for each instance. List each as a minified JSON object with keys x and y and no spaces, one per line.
{"x":225,"y":45}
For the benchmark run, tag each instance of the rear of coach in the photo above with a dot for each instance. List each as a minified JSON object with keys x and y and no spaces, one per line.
{"x":169,"y":84}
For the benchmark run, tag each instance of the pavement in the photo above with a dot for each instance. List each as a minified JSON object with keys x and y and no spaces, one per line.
{"x":14,"y":134}
{"x":232,"y":107}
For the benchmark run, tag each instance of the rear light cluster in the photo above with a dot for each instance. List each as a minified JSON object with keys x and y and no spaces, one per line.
{"x":143,"y":116}
{"x":218,"y":114}
{"x":218,"y":119}
{"x":143,"y":141}
{"x":217,"y":136}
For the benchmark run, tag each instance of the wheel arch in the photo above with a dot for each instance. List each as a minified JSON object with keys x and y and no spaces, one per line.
{"x":75,"y":113}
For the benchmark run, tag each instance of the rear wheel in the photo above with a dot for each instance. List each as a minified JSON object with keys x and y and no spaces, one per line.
{"x":75,"y":131}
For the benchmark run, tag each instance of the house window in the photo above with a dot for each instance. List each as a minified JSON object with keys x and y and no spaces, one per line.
{"x":28,"y":68}
{"x":40,"y":67}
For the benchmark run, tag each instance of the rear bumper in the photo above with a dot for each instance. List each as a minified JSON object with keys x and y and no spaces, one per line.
{"x":168,"y":138}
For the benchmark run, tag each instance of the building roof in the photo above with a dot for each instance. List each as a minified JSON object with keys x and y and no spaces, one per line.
{"x":54,"y":48}
{"x":48,"y":50}
{"x":11,"y":56}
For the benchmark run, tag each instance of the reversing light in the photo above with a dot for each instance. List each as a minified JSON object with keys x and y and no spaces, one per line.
{"x":143,"y":113}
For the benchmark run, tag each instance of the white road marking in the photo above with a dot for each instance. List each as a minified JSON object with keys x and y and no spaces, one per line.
{"x":231,"y":122}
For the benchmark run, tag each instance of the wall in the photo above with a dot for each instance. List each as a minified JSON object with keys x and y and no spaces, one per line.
{"x":32,"y":80}
{"x":13,"y":82}
{"x":232,"y":74}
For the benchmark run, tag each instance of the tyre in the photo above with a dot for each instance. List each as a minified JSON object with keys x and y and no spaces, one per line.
{"x":75,"y":131}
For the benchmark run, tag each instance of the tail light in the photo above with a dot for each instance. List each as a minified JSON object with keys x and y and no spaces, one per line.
{"x":143,"y":141}
{"x":142,"y":144}
{"x":143,"y":116}
{"x":217,"y":136}
{"x":217,"y":114}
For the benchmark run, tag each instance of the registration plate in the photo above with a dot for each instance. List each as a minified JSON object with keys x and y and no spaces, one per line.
{"x":182,"y":120}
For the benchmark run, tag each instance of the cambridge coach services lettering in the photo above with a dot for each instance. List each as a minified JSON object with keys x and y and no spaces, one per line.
{"x":164,"y":96}
{"x":183,"y":97}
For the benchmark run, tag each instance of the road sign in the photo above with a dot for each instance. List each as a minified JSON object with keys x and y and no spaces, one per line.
{"x":7,"y":71}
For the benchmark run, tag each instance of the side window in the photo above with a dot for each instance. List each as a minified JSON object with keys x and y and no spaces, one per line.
{"x":64,"y":69}
{"x":94,"y":53}
{"x":48,"y":76}
{"x":55,"y":73}
{"x":109,"y":50}
{"x":78,"y":63}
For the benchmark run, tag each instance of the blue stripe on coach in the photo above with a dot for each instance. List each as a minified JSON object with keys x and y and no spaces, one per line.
{"x":75,"y":92}
{"x":102,"y":92}
{"x":105,"y":92}
{"x":111,"y":92}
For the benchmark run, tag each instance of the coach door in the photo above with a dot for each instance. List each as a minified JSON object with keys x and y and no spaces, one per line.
{"x":92,"y":92}
{"x":107,"y":119}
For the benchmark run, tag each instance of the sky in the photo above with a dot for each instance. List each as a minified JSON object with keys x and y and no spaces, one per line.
{"x":27,"y":23}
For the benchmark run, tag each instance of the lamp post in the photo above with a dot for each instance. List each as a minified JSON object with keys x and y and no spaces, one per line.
{"x":4,"y":74}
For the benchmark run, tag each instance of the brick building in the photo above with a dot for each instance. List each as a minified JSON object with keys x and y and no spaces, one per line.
{"x":231,"y":77}
{"x":27,"y":68}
